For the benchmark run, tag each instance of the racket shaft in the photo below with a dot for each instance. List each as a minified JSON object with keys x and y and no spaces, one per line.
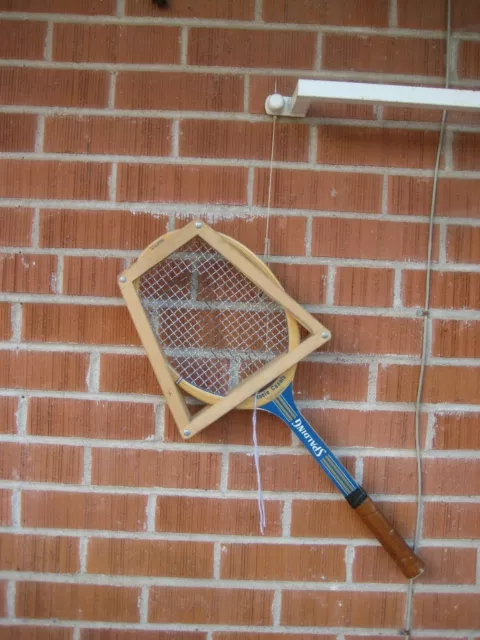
{"x":285,"y":408}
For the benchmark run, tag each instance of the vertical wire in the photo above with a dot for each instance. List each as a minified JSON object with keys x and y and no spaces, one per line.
{"x":266,"y":245}
{"x":426,"y":332}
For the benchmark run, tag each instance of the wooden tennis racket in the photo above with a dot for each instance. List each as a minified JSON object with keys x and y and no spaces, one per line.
{"x":216,"y":323}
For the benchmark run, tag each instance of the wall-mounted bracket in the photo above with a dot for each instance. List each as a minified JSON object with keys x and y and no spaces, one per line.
{"x":308,"y":92}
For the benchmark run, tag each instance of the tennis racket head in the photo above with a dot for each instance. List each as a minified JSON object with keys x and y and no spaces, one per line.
{"x":214,"y":324}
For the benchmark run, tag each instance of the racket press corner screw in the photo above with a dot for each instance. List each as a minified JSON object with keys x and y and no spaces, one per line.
{"x":199,"y":225}
{"x":325,"y":335}
{"x":186,"y":432}
{"x":122,"y":279}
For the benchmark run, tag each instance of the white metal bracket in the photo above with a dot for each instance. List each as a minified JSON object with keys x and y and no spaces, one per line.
{"x":310,"y":91}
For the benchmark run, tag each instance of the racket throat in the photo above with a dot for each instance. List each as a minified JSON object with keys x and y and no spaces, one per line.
{"x":284,"y":407}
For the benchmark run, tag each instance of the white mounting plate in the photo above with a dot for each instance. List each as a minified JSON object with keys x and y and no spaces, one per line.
{"x":310,"y":91}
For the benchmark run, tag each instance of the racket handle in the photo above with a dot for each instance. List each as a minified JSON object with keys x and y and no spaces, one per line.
{"x":410,"y":564}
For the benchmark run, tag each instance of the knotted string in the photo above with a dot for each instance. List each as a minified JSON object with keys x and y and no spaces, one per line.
{"x":266,"y":255}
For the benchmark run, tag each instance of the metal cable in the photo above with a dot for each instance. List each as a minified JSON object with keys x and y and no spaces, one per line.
{"x":426,"y":332}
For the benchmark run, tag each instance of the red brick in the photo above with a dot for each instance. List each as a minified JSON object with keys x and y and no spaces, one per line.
{"x":451,"y":477}
{"x":81,"y":7}
{"x":364,"y":287}
{"x":39,"y":553}
{"x":76,"y":601}
{"x":3,"y":597}
{"x":141,"y":468}
{"x":390,"y":475}
{"x":351,"y":428}
{"x":217,"y":9}
{"x":238,"y":635}
{"x":349,"y":13}
{"x":262,"y":86}
{"x":139,"y":44}
{"x":15,"y":227}
{"x":117,"y":136}
{"x":67,"y":418}
{"x":442,"y":566}
{"x":370,"y":239}
{"x":137,"y":634}
{"x":440,"y":476}
{"x":451,"y":520}
{"x":373,"y":335}
{"x":323,"y":380}
{"x":8,"y":409}
{"x":52,"y":179}
{"x":44,"y":370}
{"x":67,"y":510}
{"x":449,"y":289}
{"x":5,"y":321}
{"x":367,"y":146}
{"x":456,"y":431}
{"x":468,"y":65}
{"x":83,"y":229}
{"x":342,"y":608}
{"x":463,"y":117}
{"x":198,"y":605}
{"x":222,"y":516}
{"x":412,"y":196}
{"x":41,"y":462}
{"x":306,"y":563}
{"x":27,"y":273}
{"x":53,"y":87}
{"x":22,"y":39}
{"x":223,"y":139}
{"x":176,"y":183}
{"x":290,"y":473}
{"x":17,"y":132}
{"x":234,"y":428}
{"x":384,"y":54}
{"x":177,"y":90}
{"x":446,"y":611}
{"x":466,"y":151}
{"x":330,"y":191}
{"x":398,"y":383}
{"x":251,"y":48}
{"x":431,"y":14}
{"x":86,"y":276}
{"x":463,"y":244}
{"x":305,"y":283}
{"x":335,"y":519}
{"x":127,"y":374}
{"x":456,"y":338}
{"x":412,"y":114}
{"x":84,"y":324}
{"x":287,"y":234}
{"x":180,"y":559}
{"x":5,"y":507}
{"x":35,"y":633}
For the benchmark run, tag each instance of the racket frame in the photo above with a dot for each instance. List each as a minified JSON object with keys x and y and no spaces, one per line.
{"x":257,"y":272}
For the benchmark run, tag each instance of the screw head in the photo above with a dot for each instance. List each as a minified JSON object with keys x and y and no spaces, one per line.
{"x":186,"y":432}
{"x":122,"y":279}
{"x":199,"y":225}
{"x":325,"y":335}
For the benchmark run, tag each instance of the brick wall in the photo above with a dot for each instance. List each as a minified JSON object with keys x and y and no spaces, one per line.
{"x":119,"y":121}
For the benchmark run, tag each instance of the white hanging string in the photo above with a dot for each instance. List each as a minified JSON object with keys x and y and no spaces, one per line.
{"x":261,"y":502}
{"x":266,"y":255}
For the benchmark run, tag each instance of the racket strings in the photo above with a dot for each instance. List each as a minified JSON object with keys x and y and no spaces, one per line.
{"x":215,"y":326}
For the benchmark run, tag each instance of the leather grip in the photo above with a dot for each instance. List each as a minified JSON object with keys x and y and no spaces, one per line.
{"x":410,"y":565}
